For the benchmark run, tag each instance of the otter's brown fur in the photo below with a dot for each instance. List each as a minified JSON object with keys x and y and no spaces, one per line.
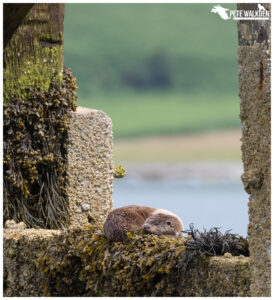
{"x":133,"y":218}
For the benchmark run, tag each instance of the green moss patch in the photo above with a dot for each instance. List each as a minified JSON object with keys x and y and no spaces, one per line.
{"x":34,"y":154}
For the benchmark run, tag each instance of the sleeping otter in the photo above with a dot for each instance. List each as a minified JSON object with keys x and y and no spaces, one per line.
{"x":134,"y":218}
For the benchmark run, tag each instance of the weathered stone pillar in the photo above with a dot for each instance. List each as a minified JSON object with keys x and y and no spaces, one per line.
{"x":89,"y":167}
{"x":254,"y":84}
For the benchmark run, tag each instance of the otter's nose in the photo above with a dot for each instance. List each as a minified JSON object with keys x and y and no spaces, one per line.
{"x":146,"y":227}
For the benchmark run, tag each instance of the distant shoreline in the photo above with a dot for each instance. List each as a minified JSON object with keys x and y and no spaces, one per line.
{"x":205,"y":171}
{"x":217,"y":145}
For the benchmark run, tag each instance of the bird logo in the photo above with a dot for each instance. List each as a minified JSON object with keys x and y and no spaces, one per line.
{"x":221,"y":11}
{"x":260,"y":7}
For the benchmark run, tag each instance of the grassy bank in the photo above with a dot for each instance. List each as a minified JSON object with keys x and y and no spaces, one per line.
{"x":140,"y":114}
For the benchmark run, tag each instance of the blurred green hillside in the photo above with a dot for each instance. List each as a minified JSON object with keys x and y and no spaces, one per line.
{"x":154,"y":68}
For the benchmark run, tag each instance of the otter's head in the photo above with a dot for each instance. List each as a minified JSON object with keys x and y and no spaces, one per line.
{"x":163,"y":224}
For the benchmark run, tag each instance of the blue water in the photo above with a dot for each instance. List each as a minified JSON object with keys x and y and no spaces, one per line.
{"x":215,"y":204}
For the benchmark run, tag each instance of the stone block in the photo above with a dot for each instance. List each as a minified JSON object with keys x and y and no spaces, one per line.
{"x":89,"y":167}
{"x":20,"y":251}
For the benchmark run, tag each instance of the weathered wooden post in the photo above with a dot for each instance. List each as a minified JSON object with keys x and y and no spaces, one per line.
{"x":33,"y":53}
{"x":33,"y":65}
{"x":57,"y":162}
{"x":254,"y":84}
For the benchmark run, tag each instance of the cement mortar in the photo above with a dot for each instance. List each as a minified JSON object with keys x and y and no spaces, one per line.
{"x":89,"y":167}
{"x":254,"y":84}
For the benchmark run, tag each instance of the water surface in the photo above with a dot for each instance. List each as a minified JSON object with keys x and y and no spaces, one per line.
{"x":206,"y":204}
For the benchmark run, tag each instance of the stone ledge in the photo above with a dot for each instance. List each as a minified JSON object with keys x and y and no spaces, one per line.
{"x":227,"y":277}
{"x":220,"y":276}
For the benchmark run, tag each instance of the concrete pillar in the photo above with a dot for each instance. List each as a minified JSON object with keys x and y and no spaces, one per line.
{"x":89,"y":167}
{"x":254,"y":85}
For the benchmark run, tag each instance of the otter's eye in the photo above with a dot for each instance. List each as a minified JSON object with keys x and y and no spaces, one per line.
{"x":168,"y":223}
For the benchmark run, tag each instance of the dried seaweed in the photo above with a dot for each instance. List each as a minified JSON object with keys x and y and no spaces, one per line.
{"x":214,"y":242}
{"x":210,"y":243}
{"x":34,"y":154}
